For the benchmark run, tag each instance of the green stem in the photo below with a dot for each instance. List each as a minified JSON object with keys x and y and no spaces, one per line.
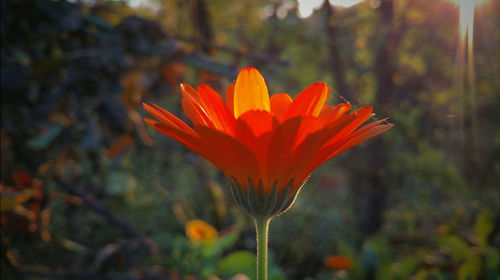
{"x":262,"y":227}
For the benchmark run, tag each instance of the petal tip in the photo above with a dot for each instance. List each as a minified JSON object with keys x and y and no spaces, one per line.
{"x":147,"y":107}
{"x":203,"y":87}
{"x":186,"y":87}
{"x":250,"y":71}
{"x":320,"y":84}
{"x":150,"y":122}
{"x":250,"y":92}
{"x":249,"y":68}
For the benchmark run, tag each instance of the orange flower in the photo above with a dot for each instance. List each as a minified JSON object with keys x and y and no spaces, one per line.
{"x":338,"y":262}
{"x":198,"y":231}
{"x":266,"y":146}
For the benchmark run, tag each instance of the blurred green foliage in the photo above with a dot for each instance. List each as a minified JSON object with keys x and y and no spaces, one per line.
{"x":86,"y":194}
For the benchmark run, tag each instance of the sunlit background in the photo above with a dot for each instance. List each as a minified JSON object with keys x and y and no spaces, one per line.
{"x":89,"y":192}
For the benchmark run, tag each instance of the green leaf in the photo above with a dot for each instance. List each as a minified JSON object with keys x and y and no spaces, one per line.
{"x":491,"y":263}
{"x":44,"y":140}
{"x":209,"y":249}
{"x":470,"y":269}
{"x":276,"y":273}
{"x":483,"y":226}
{"x":118,"y":183}
{"x":458,"y":249}
{"x":421,"y":275}
{"x":237,"y":262}
{"x":405,"y":268}
{"x":227,"y":240}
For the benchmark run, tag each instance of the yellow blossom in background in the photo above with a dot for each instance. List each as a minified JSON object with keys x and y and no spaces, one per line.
{"x":200,"y":231}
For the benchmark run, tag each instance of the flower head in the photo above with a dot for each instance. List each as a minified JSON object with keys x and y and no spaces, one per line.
{"x":266,"y":146}
{"x":199,"y":231}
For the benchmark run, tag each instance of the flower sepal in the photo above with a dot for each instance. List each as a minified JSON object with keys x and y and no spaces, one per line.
{"x":260,"y":204}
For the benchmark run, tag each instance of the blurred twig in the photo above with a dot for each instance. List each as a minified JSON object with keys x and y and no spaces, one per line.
{"x":252,"y":55}
{"x":66,"y":274}
{"x":61,"y":274}
{"x":100,"y":208}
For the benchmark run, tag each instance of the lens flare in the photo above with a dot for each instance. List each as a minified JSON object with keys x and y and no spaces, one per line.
{"x":465,"y":75}
{"x":307,"y":7}
{"x":467,"y":16}
{"x":344,"y":3}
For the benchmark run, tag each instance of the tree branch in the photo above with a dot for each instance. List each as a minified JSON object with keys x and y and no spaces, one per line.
{"x":252,"y":55}
{"x":100,"y":208}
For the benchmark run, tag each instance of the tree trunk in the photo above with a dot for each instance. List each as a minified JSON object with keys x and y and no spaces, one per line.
{"x":335,"y":64}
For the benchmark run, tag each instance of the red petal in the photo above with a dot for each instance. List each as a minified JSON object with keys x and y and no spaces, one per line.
{"x":259,"y":121}
{"x":244,"y":133}
{"x":216,"y":109}
{"x":193,"y":107}
{"x":309,"y":152}
{"x":238,"y":160}
{"x":279,"y":157}
{"x":330,"y":114}
{"x":280,"y":103}
{"x":357,"y":138}
{"x":165,"y":116}
{"x":330,"y":150}
{"x":188,"y":139}
{"x":189,"y":90}
{"x":309,"y":102}
{"x":360,"y":115}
